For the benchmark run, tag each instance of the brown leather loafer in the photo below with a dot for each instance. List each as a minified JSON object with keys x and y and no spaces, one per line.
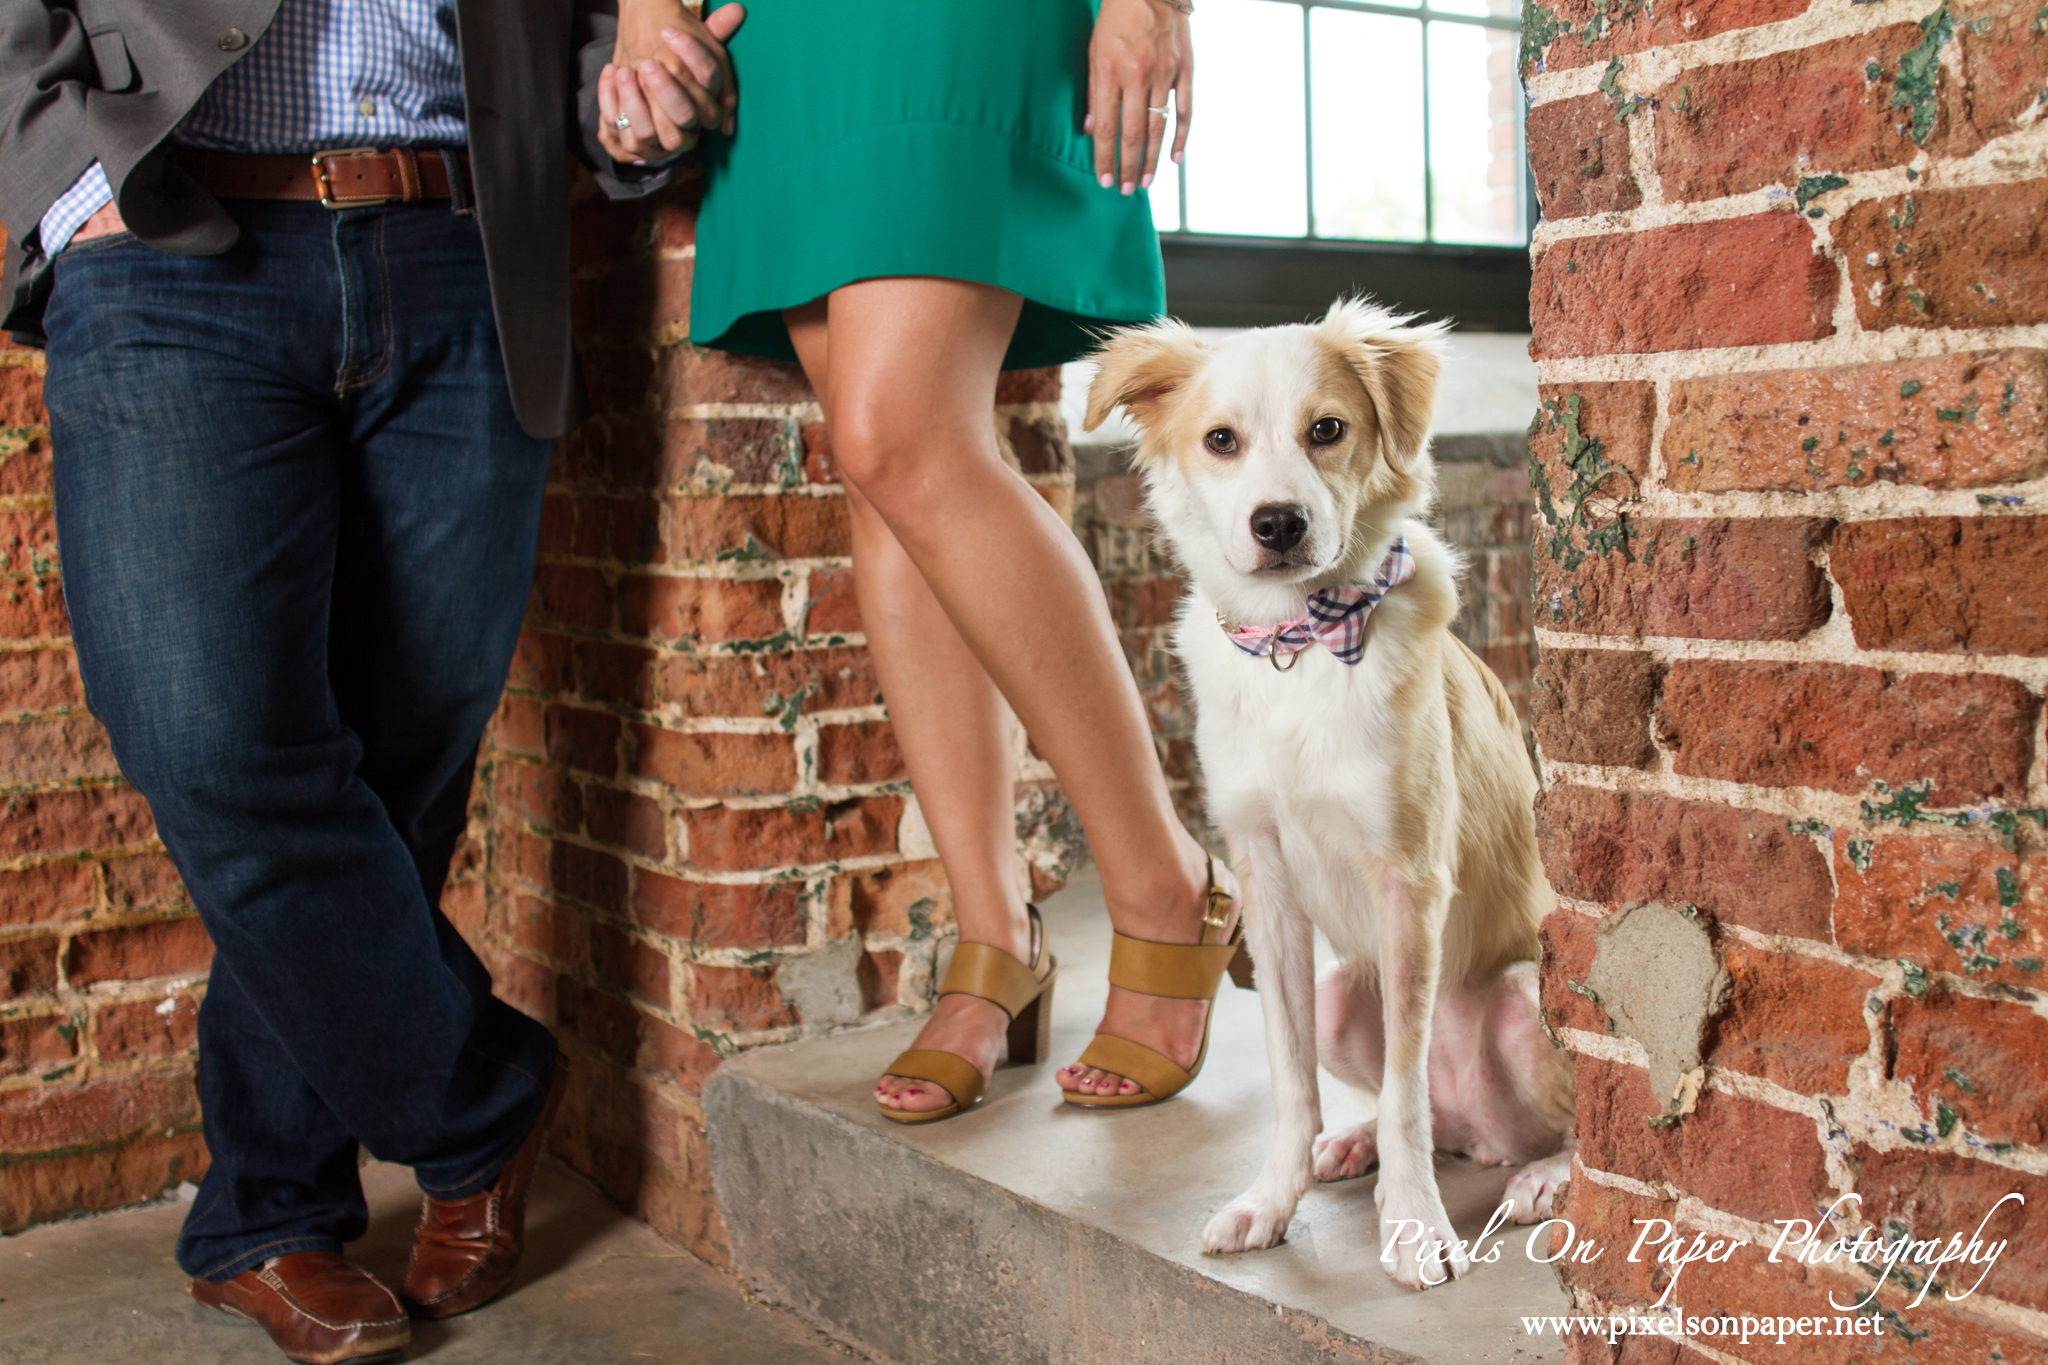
{"x":318,"y":1307}
{"x":465,"y":1250}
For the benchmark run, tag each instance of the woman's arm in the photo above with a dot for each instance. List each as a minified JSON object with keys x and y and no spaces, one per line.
{"x":1140,"y":53}
{"x":663,"y":45}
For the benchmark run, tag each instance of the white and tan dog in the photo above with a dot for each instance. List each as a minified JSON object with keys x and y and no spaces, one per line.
{"x":1387,"y":800}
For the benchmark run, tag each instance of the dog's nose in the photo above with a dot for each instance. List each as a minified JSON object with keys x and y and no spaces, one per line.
{"x":1280,"y":525}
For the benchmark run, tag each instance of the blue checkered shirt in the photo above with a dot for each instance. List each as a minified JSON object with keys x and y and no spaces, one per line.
{"x":326,"y":73}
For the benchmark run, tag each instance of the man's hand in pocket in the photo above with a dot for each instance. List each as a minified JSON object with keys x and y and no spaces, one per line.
{"x":102,"y":224}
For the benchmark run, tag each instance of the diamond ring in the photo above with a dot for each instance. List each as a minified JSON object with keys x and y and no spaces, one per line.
{"x":622,"y":123}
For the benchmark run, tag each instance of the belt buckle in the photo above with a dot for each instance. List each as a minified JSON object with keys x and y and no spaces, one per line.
{"x":325,"y":186}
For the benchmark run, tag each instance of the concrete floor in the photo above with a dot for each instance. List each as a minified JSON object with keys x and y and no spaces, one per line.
{"x":596,"y":1288}
{"x":1152,"y":1177}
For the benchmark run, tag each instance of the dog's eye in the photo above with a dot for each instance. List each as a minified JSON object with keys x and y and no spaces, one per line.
{"x":1222,"y":441}
{"x":1326,"y":430}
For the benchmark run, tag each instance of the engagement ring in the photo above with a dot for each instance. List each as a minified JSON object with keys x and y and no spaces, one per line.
{"x":622,"y":123}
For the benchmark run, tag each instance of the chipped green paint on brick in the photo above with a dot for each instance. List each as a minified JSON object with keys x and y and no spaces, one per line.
{"x":1608,"y":14}
{"x":1916,"y":982}
{"x":2007,"y":823}
{"x":1907,"y":806}
{"x":1966,"y":413}
{"x":748,"y":551}
{"x":2008,"y":887}
{"x":1920,"y":74}
{"x":1859,"y":853}
{"x":1958,"y":1080}
{"x":1968,"y":942}
{"x":786,"y":710}
{"x":1944,"y":1118}
{"x":1540,"y":28}
{"x":774,"y":644}
{"x":1813,"y":186}
{"x":1590,"y":470}
{"x":1624,"y":103}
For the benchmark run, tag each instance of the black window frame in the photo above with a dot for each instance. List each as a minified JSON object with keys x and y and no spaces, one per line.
{"x":1222,"y":280}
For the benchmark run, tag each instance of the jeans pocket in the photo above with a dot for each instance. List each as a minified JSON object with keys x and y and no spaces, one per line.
{"x":75,"y":247}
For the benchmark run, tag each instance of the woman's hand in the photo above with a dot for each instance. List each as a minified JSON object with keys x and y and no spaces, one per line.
{"x":1139,"y":54}
{"x":669,"y":76}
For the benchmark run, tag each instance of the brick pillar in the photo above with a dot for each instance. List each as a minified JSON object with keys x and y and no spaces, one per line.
{"x":102,"y":960}
{"x":1791,"y":308}
{"x":696,"y":834}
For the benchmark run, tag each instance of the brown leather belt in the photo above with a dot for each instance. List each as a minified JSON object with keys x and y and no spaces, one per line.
{"x":349,"y":177}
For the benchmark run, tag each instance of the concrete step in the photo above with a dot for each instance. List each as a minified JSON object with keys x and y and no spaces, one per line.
{"x":1030,"y":1231}
{"x":595,"y":1288}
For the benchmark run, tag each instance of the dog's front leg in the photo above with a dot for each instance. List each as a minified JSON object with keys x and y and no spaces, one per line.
{"x":1283,"y":945}
{"x":1417,"y":1245}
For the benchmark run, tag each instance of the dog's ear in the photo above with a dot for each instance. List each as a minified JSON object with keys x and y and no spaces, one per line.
{"x":1137,"y":367}
{"x":1398,"y":365}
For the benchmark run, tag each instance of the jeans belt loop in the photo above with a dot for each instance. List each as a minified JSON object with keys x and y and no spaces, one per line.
{"x":461,"y":193}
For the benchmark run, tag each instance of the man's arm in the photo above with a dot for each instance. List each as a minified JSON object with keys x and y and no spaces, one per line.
{"x":46,"y":68}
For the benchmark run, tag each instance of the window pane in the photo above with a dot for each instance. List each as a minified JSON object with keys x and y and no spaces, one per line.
{"x":1473,"y":145}
{"x":1366,"y":75}
{"x":1468,"y":7}
{"x":1248,"y":174}
{"x":1165,"y":190}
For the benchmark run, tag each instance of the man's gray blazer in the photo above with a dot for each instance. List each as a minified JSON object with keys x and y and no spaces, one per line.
{"x":109,"y":79}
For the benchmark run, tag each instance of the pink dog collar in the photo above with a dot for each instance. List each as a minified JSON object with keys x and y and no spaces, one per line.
{"x":1335,"y":617}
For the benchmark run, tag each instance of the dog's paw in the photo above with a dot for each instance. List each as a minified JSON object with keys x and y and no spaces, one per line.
{"x":1533,"y":1190}
{"x":1347,"y":1155}
{"x":1418,"y":1246}
{"x":1247,"y":1223}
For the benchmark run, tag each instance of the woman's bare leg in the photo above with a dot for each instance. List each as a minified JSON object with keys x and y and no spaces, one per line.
{"x":909,"y":380}
{"x":954,"y":733}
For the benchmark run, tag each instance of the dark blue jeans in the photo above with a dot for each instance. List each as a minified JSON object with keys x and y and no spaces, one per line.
{"x":297,"y":521}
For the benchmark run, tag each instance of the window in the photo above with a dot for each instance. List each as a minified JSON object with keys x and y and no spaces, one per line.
{"x":1351,"y":144}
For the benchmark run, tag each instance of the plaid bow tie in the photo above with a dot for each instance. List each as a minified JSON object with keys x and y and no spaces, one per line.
{"x":1335,"y":617}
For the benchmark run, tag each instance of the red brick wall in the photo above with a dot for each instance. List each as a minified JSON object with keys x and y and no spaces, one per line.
{"x":1791,"y":308}
{"x":102,"y":961}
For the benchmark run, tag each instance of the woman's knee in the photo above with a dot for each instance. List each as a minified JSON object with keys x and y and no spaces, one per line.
{"x":886,"y":451}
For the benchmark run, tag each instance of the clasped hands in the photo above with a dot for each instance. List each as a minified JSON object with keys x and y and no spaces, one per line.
{"x":668,"y":79}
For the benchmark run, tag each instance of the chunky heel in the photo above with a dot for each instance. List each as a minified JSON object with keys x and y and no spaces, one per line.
{"x":1021,"y":990}
{"x":1031,"y":1030}
{"x":1241,"y":969}
{"x":1175,"y":971}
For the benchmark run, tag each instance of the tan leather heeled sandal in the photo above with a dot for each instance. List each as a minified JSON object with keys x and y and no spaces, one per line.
{"x":986,"y":973}
{"x":1178,"y":971}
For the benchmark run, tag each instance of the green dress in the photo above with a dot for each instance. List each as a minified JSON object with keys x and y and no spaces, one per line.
{"x":923,"y":137}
